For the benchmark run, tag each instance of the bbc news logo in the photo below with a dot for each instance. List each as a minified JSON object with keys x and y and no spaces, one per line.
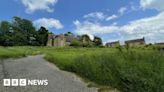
{"x":24,"y":82}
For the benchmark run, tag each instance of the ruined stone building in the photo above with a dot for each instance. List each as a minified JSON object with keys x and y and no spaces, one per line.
{"x":56,"y":40}
{"x":50,"y":39}
{"x":113,"y":44}
{"x":135,"y":42}
{"x":162,"y":43}
{"x":60,"y":40}
{"x":69,"y":39}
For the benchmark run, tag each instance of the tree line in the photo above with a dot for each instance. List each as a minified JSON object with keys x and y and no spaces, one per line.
{"x":21,"y":32}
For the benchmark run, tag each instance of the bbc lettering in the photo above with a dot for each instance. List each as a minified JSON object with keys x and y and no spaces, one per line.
{"x":14,"y":82}
{"x":23,"y":82}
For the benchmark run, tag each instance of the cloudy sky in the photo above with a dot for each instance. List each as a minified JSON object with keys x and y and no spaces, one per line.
{"x":112,"y":20}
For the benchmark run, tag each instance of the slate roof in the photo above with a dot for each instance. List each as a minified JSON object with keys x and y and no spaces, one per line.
{"x":135,"y":40}
{"x":69,"y":38}
{"x":162,"y":43}
{"x":112,"y":43}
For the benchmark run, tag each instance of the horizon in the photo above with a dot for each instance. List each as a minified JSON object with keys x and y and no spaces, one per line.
{"x":111,"y":20}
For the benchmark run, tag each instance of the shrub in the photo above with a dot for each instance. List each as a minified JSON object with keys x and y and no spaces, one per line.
{"x":76,"y":43}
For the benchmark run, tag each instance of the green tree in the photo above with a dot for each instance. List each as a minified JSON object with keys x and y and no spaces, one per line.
{"x":6,"y":34}
{"x":25,"y":33}
{"x":42,"y":36}
{"x":97,"y":41}
{"x":86,"y":41}
{"x":68,"y":34}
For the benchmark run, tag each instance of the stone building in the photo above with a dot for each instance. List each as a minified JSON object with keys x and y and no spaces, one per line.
{"x":135,"y":42}
{"x":56,"y":40}
{"x":69,"y":39}
{"x":162,"y":43}
{"x":60,"y":40}
{"x":50,"y":39}
{"x":113,"y":44}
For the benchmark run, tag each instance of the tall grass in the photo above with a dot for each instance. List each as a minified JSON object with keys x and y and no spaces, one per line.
{"x":15,"y":52}
{"x":135,"y":70}
{"x":129,"y":70}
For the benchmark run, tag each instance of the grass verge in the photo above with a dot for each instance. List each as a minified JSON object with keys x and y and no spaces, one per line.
{"x":135,"y":70}
{"x":132,"y":70}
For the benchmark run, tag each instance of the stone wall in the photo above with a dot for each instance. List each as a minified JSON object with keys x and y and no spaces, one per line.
{"x":59,"y":41}
{"x":56,"y":40}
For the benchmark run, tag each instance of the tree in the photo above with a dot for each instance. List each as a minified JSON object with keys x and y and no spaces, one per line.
{"x":97,"y":41}
{"x":6,"y":34}
{"x":25,"y":32}
{"x":86,"y":41}
{"x":42,"y":36}
{"x":68,"y":34}
{"x":21,"y":32}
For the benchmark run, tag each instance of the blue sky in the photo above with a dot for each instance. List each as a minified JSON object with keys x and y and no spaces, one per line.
{"x":112,"y":20}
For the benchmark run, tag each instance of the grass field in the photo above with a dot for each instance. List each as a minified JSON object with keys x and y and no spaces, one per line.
{"x":16,"y":52}
{"x":129,"y":70}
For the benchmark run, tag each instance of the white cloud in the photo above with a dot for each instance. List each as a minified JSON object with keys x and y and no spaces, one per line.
{"x":91,"y":37}
{"x":77,"y":23}
{"x":92,"y":28}
{"x":111,"y":17}
{"x":114,"y":24}
{"x":34,"y":5}
{"x":152,"y":28}
{"x":102,"y":16}
{"x":122,"y":10}
{"x":152,"y":4}
{"x":48,"y":23}
{"x":133,"y":7}
{"x":98,"y":15}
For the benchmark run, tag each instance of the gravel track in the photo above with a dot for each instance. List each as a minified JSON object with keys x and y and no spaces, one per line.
{"x":35,"y":67}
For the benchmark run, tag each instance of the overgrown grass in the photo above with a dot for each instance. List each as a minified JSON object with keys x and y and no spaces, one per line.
{"x":64,"y":57}
{"x":15,"y":52}
{"x":132,"y":70}
{"x":135,"y":70}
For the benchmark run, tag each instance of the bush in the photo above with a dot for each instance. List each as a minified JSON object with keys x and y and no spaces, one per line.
{"x":76,"y":43}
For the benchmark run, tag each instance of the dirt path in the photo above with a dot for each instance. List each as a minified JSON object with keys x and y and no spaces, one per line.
{"x":35,"y":67}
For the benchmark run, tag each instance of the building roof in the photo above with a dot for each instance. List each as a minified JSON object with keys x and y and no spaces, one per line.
{"x":51,"y":36}
{"x":112,"y":42}
{"x":69,"y":38}
{"x":59,"y":36}
{"x":135,"y":40}
{"x":162,"y":43}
